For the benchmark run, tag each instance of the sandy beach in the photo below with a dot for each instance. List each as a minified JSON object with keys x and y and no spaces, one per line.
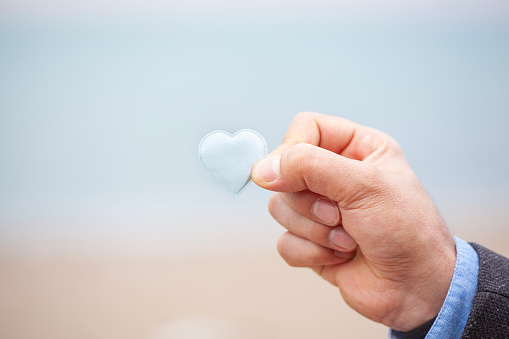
{"x":109,"y":288}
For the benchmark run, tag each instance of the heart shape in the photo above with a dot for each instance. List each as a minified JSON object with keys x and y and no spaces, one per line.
{"x":229,"y":158}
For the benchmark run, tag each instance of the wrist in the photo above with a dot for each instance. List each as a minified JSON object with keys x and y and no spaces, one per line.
{"x":429,"y":291}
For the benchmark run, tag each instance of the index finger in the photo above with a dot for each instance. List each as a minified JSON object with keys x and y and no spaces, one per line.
{"x":335,"y":134}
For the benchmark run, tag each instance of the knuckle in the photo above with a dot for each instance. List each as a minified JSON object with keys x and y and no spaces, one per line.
{"x":290,"y":198}
{"x":304,"y":115}
{"x":307,"y":232}
{"x":393,"y":144}
{"x":307,"y":163}
{"x":282,"y":249}
{"x":389,"y":142}
{"x":395,"y":147}
{"x":299,"y":121}
{"x":280,"y":213}
{"x":303,"y":160}
{"x":315,"y":254}
{"x":273,"y":203}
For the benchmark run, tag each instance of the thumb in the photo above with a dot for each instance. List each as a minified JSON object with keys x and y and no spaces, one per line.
{"x":304,"y":166}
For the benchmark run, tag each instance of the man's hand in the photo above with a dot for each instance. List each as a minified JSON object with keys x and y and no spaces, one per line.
{"x":358,"y":216}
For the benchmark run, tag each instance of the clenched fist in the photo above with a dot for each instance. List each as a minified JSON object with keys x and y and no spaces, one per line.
{"x":359,"y":217}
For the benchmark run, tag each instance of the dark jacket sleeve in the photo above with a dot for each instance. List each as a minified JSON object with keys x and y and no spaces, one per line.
{"x":489,"y":317}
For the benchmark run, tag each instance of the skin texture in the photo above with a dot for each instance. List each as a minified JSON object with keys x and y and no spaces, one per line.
{"x":396,"y":257}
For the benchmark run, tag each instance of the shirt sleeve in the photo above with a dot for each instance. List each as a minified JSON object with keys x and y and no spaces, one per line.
{"x":452,"y":318}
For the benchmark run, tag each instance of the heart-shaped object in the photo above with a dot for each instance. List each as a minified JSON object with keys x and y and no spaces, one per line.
{"x":229,"y":158}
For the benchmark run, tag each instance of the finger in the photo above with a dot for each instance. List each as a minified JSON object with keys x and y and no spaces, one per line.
{"x":334,"y":238}
{"x":335,"y":134}
{"x":307,"y":167}
{"x":300,"y":252}
{"x":325,"y":273}
{"x":314,"y":206}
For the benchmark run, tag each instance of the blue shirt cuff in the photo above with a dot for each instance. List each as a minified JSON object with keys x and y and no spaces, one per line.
{"x":453,"y":316}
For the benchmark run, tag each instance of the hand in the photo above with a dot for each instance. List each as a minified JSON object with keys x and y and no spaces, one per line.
{"x":358,"y":216}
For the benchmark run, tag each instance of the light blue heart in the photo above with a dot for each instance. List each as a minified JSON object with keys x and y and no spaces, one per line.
{"x":229,"y":158}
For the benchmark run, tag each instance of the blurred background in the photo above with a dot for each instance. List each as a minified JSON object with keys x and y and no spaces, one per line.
{"x":109,"y":226}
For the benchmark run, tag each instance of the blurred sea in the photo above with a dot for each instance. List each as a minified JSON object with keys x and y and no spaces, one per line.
{"x":104,"y":121}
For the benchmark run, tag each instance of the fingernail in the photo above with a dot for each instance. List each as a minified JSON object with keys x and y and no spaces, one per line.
{"x":339,"y":238}
{"x":326,"y":211}
{"x":268,"y":169}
